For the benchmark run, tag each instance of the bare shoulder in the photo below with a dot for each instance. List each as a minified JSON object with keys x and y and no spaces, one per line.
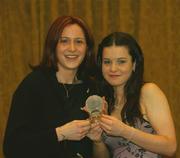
{"x":153,"y":97}
{"x":150,"y":89}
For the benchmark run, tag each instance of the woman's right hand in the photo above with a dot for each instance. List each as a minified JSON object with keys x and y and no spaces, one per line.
{"x":74,"y":130}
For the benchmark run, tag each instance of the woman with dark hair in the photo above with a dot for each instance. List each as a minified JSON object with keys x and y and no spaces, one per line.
{"x":139,"y":123}
{"x":45,"y":119}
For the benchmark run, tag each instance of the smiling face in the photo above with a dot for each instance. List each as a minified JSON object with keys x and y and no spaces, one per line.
{"x":71,"y":48}
{"x":117,"y":65}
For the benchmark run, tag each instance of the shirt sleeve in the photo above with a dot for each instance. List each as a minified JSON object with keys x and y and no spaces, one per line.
{"x":27,"y":134}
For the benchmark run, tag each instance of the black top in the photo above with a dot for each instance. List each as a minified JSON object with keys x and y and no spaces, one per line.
{"x":39,"y":105}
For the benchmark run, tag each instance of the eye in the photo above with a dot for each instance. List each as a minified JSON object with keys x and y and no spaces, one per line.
{"x":121,"y":61}
{"x":106,"y":61}
{"x":64,"y":40}
{"x":80,"y":41}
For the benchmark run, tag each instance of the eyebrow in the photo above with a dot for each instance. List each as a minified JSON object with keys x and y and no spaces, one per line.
{"x":72,"y":38}
{"x":122,"y":58}
{"x":115,"y":58}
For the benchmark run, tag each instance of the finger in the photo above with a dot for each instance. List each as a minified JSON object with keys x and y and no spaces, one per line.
{"x":81,"y":136}
{"x":105,"y":127}
{"x":105,"y":105}
{"x":84,"y":108}
{"x":107,"y":117}
{"x":83,"y":123}
{"x":106,"y":121}
{"x":95,"y":124}
{"x":97,"y":128}
{"x":85,"y":129}
{"x":104,"y":100}
{"x":95,"y":133}
{"x":82,"y":132}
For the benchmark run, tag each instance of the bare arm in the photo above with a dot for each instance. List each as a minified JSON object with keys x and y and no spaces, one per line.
{"x":100,"y":150}
{"x":158,"y":114}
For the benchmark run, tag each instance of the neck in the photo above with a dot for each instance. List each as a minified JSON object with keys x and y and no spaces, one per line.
{"x":119,"y":96}
{"x":66,"y":77}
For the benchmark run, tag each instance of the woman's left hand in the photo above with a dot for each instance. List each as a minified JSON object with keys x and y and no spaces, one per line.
{"x":112,"y":125}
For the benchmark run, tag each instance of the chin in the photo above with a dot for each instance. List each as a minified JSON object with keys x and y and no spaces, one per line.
{"x":115,"y":84}
{"x":73,"y":66}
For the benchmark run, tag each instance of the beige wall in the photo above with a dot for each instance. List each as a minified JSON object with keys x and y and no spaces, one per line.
{"x":154,"y":23}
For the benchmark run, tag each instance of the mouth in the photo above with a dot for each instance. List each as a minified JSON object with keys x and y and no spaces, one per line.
{"x":114,"y":75}
{"x":70,"y":56}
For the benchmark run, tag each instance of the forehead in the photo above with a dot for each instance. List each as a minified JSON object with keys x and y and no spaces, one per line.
{"x":73,"y":30}
{"x":116,"y":52}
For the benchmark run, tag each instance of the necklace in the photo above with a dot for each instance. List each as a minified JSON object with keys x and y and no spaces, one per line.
{"x":69,"y":86}
{"x":67,"y":90}
{"x":119,"y":104}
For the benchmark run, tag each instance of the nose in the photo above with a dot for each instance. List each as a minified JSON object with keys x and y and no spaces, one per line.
{"x":72,"y":46}
{"x":113,"y":67}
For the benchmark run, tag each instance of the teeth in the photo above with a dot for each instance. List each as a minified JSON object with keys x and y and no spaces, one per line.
{"x":71,"y":56}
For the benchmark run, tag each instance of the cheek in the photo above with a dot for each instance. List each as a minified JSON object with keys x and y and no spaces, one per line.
{"x":104,"y":71}
{"x":127,"y":69}
{"x":83,"y":50}
{"x":58,"y":54}
{"x":128,"y":74}
{"x":59,"y":50}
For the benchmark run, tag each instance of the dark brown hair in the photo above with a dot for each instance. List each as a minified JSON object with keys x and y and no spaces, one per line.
{"x":49,"y":59}
{"x":132,"y":89}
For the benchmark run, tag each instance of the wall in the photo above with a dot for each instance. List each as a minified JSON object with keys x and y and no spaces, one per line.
{"x":155,"y":24}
